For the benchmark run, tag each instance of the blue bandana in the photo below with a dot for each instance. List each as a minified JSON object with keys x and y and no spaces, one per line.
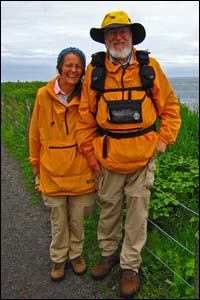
{"x":69,"y":50}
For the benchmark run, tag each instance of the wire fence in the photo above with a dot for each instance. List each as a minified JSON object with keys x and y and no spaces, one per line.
{"x":196,"y":254}
{"x":16,"y":117}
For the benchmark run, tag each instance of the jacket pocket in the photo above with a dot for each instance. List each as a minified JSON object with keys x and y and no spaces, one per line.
{"x":151,"y":167}
{"x":59,"y":160}
{"x":122,"y":112}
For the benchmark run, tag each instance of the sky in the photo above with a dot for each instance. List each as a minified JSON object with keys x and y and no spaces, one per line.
{"x":34,"y":32}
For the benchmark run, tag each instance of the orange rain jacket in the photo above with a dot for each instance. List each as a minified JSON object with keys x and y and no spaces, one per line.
{"x":126,"y":155}
{"x":63,"y":170}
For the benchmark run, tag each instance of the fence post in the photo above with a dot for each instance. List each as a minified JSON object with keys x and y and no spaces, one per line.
{"x":196,"y":283}
{"x":14,"y":115}
{"x":27,"y":119}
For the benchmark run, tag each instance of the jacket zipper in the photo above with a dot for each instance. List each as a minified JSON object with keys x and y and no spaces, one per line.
{"x":122,"y":82}
{"x":67,"y":129}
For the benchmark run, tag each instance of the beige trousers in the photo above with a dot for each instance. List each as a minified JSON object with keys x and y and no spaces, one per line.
{"x":67,"y":215}
{"x":135,"y":189}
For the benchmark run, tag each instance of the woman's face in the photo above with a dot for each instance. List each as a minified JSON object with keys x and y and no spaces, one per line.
{"x":72,"y":69}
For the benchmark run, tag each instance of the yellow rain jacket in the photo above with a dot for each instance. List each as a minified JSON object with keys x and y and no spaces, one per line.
{"x":63,"y":170}
{"x":126,"y":154}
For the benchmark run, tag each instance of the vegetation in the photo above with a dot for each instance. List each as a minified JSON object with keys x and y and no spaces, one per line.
{"x":176,"y":187}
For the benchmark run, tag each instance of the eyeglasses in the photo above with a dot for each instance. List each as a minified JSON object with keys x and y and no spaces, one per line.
{"x":115,"y":32}
{"x":71,"y":66}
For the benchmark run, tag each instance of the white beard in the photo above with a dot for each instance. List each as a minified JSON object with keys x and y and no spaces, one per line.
{"x":120,"y":53}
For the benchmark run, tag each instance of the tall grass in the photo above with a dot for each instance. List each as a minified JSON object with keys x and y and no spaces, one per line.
{"x":187,"y":144}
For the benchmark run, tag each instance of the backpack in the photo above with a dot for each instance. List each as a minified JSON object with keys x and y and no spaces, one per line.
{"x":147,"y":76}
{"x":147,"y":73}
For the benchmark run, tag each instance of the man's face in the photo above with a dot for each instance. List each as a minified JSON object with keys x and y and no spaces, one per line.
{"x":119,"y":41}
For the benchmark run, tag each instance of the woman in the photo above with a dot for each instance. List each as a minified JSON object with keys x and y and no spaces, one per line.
{"x":62,"y":173}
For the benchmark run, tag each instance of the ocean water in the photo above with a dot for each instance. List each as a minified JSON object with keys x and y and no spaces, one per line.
{"x":187,"y":90}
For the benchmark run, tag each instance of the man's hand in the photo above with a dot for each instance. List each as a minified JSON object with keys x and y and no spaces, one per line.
{"x":94,"y":164}
{"x":161,"y":147}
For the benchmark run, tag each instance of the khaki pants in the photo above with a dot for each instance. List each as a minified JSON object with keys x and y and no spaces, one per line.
{"x":67,"y":215}
{"x":112,"y":188}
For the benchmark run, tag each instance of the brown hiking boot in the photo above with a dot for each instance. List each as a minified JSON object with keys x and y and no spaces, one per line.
{"x":78,"y":265}
{"x":57,"y":271}
{"x":103,"y":268}
{"x":129,"y":283}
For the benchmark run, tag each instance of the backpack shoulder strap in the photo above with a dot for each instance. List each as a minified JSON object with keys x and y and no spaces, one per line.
{"x":99,"y":72}
{"x":98,"y":59}
{"x":147,"y":73}
{"x":142,"y":57}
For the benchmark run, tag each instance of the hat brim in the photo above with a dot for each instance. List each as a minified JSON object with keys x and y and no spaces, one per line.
{"x":138,"y":32}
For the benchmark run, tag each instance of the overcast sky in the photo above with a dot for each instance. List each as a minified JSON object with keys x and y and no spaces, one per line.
{"x":33,"y":33}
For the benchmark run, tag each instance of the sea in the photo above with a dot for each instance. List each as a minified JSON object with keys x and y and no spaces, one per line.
{"x":187,"y":90}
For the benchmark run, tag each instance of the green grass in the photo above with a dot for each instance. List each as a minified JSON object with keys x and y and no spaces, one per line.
{"x":177,"y":175}
{"x":187,"y":143}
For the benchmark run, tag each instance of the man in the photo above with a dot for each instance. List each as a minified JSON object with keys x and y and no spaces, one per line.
{"x":116,"y":132}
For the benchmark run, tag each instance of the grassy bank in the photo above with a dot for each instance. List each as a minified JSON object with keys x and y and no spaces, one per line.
{"x":176,"y":186}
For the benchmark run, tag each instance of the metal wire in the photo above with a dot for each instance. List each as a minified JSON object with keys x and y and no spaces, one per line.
{"x":162,"y":262}
{"x":189,"y":209}
{"x":185,"y":162}
{"x":169,"y":236}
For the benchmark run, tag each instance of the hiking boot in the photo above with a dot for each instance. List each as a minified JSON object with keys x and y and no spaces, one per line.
{"x":57,"y":271}
{"x":103,"y":268}
{"x":129,"y":283}
{"x":78,"y":265}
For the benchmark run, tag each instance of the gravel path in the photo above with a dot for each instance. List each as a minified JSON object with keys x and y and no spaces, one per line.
{"x":25,"y":239}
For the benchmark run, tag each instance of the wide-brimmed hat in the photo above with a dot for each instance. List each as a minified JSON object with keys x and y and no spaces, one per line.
{"x":118,"y":19}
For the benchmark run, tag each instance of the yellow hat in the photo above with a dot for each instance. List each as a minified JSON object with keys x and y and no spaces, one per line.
{"x":118,"y":19}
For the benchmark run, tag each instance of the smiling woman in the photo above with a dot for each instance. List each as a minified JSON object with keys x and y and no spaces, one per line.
{"x":71,"y":67}
{"x":62,"y":173}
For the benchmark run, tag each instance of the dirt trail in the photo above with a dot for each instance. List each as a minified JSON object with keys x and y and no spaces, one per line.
{"x":25,"y":239}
